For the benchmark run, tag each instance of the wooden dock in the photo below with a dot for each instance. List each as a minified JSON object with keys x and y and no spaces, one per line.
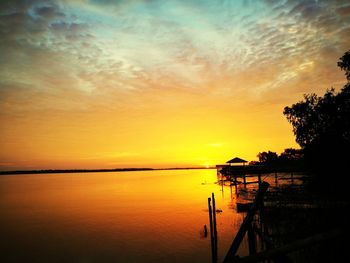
{"x":262,"y":244}
{"x":247,"y":225}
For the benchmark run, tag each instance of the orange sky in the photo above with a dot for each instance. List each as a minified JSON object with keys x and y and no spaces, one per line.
{"x":98,"y":84}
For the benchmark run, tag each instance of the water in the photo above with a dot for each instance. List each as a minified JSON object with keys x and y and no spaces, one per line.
{"x":142,"y":216}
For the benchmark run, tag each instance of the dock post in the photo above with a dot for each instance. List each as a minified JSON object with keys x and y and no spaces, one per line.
{"x":214,"y":225}
{"x":259,"y":198}
{"x":236,"y":190}
{"x":212,"y":241}
{"x":275,"y":178}
{"x":259,"y":179}
{"x":210,"y":219}
{"x":214,"y":215}
{"x":222,"y":188}
{"x":244,"y":181}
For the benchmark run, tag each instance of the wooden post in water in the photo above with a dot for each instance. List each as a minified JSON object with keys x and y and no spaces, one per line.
{"x":210,"y":219}
{"x":212,"y":241}
{"x":236,"y":190}
{"x":275,"y":178}
{"x":214,"y":226}
{"x":235,"y":183}
{"x":214,"y":215}
{"x":259,"y":179}
{"x":244,"y":180}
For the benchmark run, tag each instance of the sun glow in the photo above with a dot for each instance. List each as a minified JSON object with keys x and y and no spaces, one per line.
{"x":162,"y":84}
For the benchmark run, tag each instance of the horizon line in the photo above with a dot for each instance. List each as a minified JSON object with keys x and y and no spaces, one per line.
{"x":128,"y":169}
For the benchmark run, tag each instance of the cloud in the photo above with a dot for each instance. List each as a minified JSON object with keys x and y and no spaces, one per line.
{"x":307,"y":9}
{"x":109,"y":47}
{"x":75,"y":70}
{"x":344,"y":10}
{"x":48,"y":12}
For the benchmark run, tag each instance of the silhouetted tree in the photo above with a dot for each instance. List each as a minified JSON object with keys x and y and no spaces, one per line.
{"x":291,"y":154}
{"x":291,"y":157}
{"x":269,"y":158}
{"x":344,"y":64}
{"x":322,"y":126}
{"x":305,"y":119}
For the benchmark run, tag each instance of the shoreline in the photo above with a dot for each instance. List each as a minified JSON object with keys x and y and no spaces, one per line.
{"x":56,"y":171}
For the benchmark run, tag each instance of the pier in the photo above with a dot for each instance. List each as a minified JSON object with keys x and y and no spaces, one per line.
{"x":275,"y":218}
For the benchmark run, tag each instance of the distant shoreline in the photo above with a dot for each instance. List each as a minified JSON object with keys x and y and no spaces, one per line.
{"x":52,"y":171}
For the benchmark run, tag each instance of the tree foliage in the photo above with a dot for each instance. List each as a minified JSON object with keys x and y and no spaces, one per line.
{"x":319,"y":118}
{"x":344,"y":64}
{"x":322,"y":124}
{"x":289,"y":157}
{"x":267,"y":157}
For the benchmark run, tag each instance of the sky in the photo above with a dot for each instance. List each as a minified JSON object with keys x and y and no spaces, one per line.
{"x":108,"y":84}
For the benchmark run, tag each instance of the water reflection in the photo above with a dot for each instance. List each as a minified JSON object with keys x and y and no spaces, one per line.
{"x":148,"y":216}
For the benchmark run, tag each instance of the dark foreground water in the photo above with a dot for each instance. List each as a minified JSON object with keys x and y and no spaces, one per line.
{"x":143,"y":216}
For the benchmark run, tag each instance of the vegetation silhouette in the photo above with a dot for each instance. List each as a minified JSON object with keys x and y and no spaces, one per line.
{"x":268,"y":158}
{"x":290,"y":157}
{"x":321,"y":126}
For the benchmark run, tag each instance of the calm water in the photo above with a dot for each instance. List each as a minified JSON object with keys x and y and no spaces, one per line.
{"x":143,"y":216}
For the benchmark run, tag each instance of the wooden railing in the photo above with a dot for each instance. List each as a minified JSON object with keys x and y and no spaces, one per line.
{"x":247,"y":223}
{"x":271,"y":252}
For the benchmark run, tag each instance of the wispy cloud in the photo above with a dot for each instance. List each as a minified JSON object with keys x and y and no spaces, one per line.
{"x":138,"y":57}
